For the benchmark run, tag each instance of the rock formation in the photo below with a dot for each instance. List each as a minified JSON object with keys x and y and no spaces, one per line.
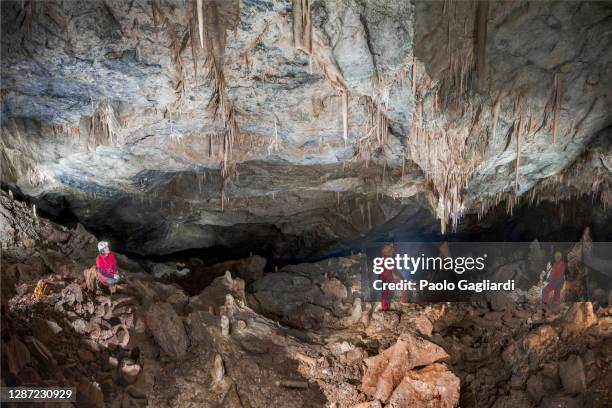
{"x":317,"y":121}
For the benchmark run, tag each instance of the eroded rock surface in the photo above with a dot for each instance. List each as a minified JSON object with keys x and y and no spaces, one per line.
{"x":379,"y":108}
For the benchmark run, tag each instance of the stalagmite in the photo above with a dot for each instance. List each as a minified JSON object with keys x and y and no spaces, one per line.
{"x":230,"y":302}
{"x":225,"y":325}
{"x":218,"y":369}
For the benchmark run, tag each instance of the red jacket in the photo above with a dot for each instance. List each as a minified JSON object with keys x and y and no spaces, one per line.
{"x":557,"y":272}
{"x":387,"y":275}
{"x":106,"y":266}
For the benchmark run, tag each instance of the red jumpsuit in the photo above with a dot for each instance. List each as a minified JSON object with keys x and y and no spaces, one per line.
{"x":555,"y":282}
{"x":106,"y":267}
{"x":387,"y":276}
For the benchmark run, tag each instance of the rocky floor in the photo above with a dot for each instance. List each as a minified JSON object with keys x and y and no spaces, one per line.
{"x":297,"y":337}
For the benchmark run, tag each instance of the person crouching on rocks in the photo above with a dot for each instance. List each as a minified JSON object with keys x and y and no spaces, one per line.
{"x":106,"y":267}
{"x":556,"y":279}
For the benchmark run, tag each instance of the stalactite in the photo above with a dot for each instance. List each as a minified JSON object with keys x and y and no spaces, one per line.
{"x":302,"y":26}
{"x":345,"y":115}
{"x":214,"y":20}
{"x":519,"y":132}
{"x":414,"y":76}
{"x":229,"y":137}
{"x":194,"y":50}
{"x":200,"y":11}
{"x":105,"y":124}
{"x":480,"y":43}
{"x":556,"y":106}
{"x":495,"y":119}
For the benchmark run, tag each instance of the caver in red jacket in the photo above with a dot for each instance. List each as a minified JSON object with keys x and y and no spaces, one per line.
{"x":388,"y":276}
{"x":556,"y":279}
{"x":107,"y":268}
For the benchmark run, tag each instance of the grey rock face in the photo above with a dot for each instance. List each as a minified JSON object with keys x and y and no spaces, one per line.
{"x":103,"y":114}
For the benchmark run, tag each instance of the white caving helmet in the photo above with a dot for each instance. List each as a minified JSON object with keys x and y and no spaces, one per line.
{"x":102,"y":245}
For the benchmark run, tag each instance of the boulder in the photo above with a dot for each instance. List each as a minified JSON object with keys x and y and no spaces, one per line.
{"x":386,"y":370}
{"x":215,"y":294}
{"x":432,"y":386}
{"x":416,"y":323}
{"x":250,"y":269}
{"x":172,"y":294}
{"x":573,"y":375}
{"x":540,"y":337}
{"x":535,"y":387}
{"x":167,"y":329}
{"x":199,"y":324}
{"x":579,"y":317}
{"x":333,"y":287}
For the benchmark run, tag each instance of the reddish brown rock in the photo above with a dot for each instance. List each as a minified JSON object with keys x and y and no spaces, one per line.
{"x":432,"y":386}
{"x":369,"y":404}
{"x":579,"y":317}
{"x":416,"y":323}
{"x":386,"y":370}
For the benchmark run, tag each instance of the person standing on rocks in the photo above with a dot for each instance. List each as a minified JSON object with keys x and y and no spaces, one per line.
{"x":106,"y":267}
{"x":556,"y":279}
{"x":388,"y":276}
